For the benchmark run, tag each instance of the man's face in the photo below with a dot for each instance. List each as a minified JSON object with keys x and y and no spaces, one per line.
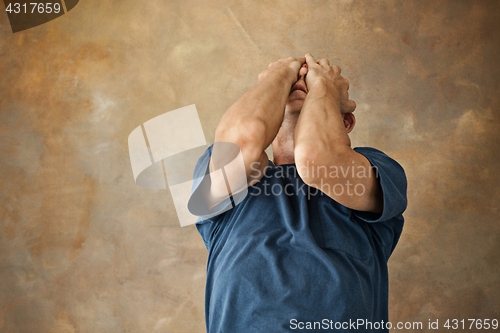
{"x":298,"y":92}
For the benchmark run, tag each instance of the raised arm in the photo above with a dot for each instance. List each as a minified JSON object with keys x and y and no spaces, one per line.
{"x":254,"y":120}
{"x":251,"y":123}
{"x":323,"y":153}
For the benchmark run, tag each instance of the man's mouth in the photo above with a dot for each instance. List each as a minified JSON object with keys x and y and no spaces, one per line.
{"x":299,"y":86}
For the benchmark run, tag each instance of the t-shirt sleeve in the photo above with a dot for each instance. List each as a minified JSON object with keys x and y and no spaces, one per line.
{"x":200,"y":191}
{"x":201,"y":168}
{"x":393,"y":182}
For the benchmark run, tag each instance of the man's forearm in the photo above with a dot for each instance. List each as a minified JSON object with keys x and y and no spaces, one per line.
{"x":320,"y":127}
{"x":254,"y":120}
{"x":322,"y":144}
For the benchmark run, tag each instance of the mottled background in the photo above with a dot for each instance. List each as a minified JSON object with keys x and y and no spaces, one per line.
{"x":83,"y":249}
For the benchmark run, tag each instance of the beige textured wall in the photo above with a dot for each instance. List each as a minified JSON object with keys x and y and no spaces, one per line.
{"x":83,"y":249}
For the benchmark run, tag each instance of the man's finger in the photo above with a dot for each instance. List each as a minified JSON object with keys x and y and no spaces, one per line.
{"x":310,"y":60}
{"x":324,"y":62}
{"x":302,"y":60}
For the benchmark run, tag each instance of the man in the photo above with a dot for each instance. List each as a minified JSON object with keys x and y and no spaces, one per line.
{"x":307,"y":247}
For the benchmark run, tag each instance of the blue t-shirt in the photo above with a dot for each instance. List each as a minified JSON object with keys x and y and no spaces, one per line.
{"x":292,"y":259}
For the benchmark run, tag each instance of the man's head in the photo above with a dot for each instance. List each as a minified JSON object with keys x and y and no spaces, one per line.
{"x":298,"y":94}
{"x":283,"y":144}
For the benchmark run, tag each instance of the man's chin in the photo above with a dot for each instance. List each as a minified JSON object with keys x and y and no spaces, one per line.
{"x":294,"y":105}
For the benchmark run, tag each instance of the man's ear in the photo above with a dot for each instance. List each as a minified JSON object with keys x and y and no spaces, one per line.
{"x":349,"y":121}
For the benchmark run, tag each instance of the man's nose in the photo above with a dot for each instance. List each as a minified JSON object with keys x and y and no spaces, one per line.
{"x":303,"y":71}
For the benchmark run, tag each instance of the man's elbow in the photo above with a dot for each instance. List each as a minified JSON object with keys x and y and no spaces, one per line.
{"x":249,"y":136}
{"x":315,"y":163}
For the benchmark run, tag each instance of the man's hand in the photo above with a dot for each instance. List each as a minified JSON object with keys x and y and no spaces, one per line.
{"x":287,"y":68}
{"x":326,"y":79}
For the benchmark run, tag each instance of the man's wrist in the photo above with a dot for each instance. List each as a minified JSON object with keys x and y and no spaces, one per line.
{"x":322,"y":94}
{"x":321,"y":88}
{"x":286,"y":76}
{"x":281,"y":79}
